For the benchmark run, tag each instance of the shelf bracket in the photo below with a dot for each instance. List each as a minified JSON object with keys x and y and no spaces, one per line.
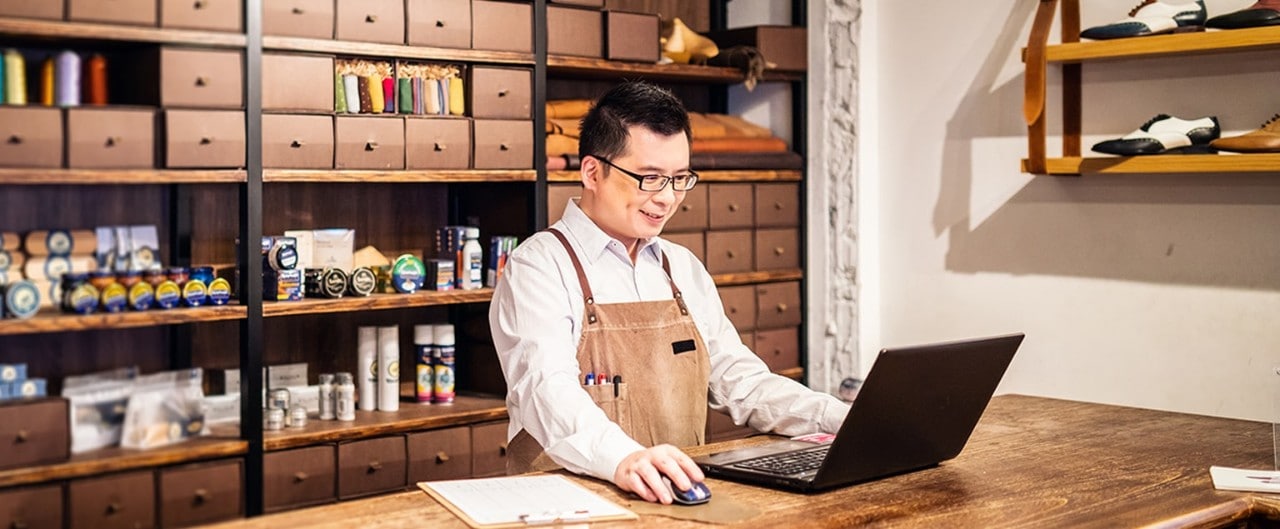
{"x":1033,"y":104}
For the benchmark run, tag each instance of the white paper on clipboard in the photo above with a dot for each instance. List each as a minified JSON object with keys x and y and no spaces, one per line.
{"x":522,"y":500}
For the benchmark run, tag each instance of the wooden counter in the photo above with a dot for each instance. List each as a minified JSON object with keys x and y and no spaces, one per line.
{"x":1032,"y":462}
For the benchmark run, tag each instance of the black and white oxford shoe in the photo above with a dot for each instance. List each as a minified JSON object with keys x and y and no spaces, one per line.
{"x":1153,"y":17}
{"x":1164,"y":134}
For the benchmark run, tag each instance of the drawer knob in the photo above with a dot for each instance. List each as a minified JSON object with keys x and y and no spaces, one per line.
{"x":440,"y":147}
{"x":202,"y":81}
{"x":503,"y":92}
{"x":779,"y":250}
{"x":733,"y":310}
{"x":112,"y":141}
{"x":297,"y":11}
{"x":731,"y":254}
{"x":296,"y":144}
{"x":439,"y":23}
{"x":375,"y":466}
{"x":299,"y":477}
{"x":371,"y":18}
{"x":504,"y":147}
{"x":201,"y":496}
{"x":733,"y":207}
{"x":685,"y":207}
{"x":371,"y":146}
{"x":22,"y":436}
{"x":777,"y":206}
{"x":206,"y":140}
{"x":442,"y":457}
{"x":782,"y":307}
{"x":15,"y":140}
{"x":199,"y":4}
{"x":114,"y":508}
{"x":502,"y":449}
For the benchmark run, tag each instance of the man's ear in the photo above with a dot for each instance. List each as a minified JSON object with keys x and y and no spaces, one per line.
{"x":591,"y":171}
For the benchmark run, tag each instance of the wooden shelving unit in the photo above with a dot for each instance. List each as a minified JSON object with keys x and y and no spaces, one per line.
{"x":412,"y":416}
{"x":347,"y":175}
{"x":339,"y":47}
{"x":1164,"y":164}
{"x":751,"y":278}
{"x":744,"y":175}
{"x":119,"y":459}
{"x":119,"y":177}
{"x":51,"y":321}
{"x":376,"y":302}
{"x":1235,"y":40}
{"x":566,"y":66}
{"x":62,"y":31}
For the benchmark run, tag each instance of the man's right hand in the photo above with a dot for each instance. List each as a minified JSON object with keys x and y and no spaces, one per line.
{"x":641,"y":472}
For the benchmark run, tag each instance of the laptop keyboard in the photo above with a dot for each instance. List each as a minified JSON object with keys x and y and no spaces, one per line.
{"x":788,"y":463}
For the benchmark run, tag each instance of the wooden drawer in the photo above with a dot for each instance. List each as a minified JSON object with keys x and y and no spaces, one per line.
{"x":500,"y":144}
{"x":777,"y":205}
{"x":729,"y":251}
{"x":489,"y":449}
{"x":748,"y":339}
{"x":730,"y":206}
{"x":692,"y":215}
{"x":371,"y":466}
{"x":501,"y":93}
{"x":201,"y":493}
{"x":506,"y":26}
{"x":777,"y":249}
{"x":778,"y":305}
{"x":297,"y":142}
{"x":440,"y":454}
{"x":32,"y":508}
{"x":30,"y":137}
{"x":297,"y":82}
{"x":369,"y":142}
{"x":204,"y":138}
{"x":631,"y":36}
{"x":115,"y":138}
{"x":740,"y":306}
{"x":132,"y":12}
{"x":779,"y":348}
{"x":120,"y":501}
{"x":32,"y":9}
{"x":299,"y":477}
{"x":720,"y":427}
{"x":696,"y":242}
{"x":212,"y":15}
{"x":573,"y":31}
{"x":298,"y":18}
{"x":437,"y":143}
{"x":558,"y":196}
{"x":202,"y":78}
{"x":371,"y":21}
{"x":439,"y":23}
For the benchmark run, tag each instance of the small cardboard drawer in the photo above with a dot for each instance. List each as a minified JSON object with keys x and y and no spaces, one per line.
{"x":299,"y":477}
{"x":34,"y":432}
{"x":777,"y":205}
{"x":558,"y":196}
{"x":131,"y":12}
{"x":369,"y":142}
{"x":503,"y":144}
{"x":204,"y":138}
{"x":32,"y":508}
{"x":631,"y":37}
{"x":297,"y":142}
{"x":731,"y":206}
{"x":778,"y":305}
{"x":119,"y":501}
{"x":740,"y":306}
{"x":729,"y":252}
{"x":779,"y":348}
{"x":202,"y":78}
{"x":692,"y":214}
{"x":748,"y":339}
{"x":32,"y":9}
{"x":591,"y":3}
{"x":371,"y":466}
{"x":110,"y":138}
{"x":440,"y":454}
{"x":371,"y":21}
{"x":437,"y":143}
{"x":778,"y":249}
{"x":211,"y":15}
{"x":298,"y":18}
{"x":489,"y":449}
{"x":297,"y":82}
{"x":200,"y":494}
{"x":506,"y":26}
{"x":501,"y":93}
{"x":575,"y":31}
{"x":30,"y":137}
{"x":439,"y":23}
{"x":785,"y":46}
{"x":696,"y":242}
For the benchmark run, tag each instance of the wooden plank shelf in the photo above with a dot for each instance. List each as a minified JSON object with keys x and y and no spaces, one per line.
{"x":412,"y":416}
{"x":751,"y":278}
{"x":793,"y":373}
{"x":372,"y":177}
{"x":117,"y":459}
{"x":566,"y":66}
{"x":373,"y":49}
{"x":376,"y":302}
{"x":1166,"y":45}
{"x":1163,"y":164}
{"x":742,"y":175}
{"x":51,"y":321}
{"x":81,"y":31}
{"x":120,"y":176}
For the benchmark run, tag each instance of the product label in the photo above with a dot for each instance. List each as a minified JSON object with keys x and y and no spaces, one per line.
{"x":168,"y":295}
{"x":141,"y":296}
{"x":219,"y":291}
{"x":193,"y":293}
{"x":114,"y":298}
{"x":58,"y":242}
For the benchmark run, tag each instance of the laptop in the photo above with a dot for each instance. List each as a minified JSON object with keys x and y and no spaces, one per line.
{"x":916,"y":409}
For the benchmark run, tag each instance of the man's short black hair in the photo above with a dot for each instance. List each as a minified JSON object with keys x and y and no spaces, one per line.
{"x":604,"y":130}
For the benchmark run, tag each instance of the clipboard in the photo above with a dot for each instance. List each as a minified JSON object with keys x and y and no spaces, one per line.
{"x":519,"y":501}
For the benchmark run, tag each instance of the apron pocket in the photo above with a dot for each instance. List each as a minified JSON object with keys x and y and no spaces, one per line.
{"x":612,"y":398}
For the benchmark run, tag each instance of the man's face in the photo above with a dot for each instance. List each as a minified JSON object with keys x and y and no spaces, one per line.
{"x":614,"y":199}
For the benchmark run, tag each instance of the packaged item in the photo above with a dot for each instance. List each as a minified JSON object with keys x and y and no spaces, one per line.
{"x":165,"y":408}
{"x":98,"y":404}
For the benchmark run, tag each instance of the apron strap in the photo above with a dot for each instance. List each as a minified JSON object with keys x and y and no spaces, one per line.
{"x":589,"y":298}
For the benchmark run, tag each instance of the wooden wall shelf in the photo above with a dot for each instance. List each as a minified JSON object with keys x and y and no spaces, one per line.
{"x":1163,"y":45}
{"x":378,"y":177}
{"x":1165,"y":164}
{"x":120,"y":176}
{"x":751,"y":278}
{"x":565,"y":66}
{"x":118,"y":459}
{"x":51,"y":321}
{"x":64,"y":31}
{"x":411,"y":417}
{"x":376,"y":302}
{"x":373,"y":49}
{"x":793,"y":373}
{"x":743,"y":175}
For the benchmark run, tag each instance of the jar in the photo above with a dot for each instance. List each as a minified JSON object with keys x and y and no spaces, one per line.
{"x":128,"y":279}
{"x":101,"y":279}
{"x":154,"y":277}
{"x":203,"y":273}
{"x":179,"y":275}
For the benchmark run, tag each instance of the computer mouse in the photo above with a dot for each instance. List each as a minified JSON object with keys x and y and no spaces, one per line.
{"x":696,"y":495}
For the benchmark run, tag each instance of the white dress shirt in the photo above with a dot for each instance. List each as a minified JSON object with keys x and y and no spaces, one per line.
{"x":536,"y":321}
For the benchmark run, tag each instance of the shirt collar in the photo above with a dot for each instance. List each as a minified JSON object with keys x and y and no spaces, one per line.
{"x":593,"y":241}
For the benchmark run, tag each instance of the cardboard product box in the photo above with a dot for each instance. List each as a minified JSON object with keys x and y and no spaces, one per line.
{"x":588,"y":3}
{"x":222,"y":409}
{"x":437,"y":143}
{"x":293,"y":82}
{"x":111,"y":138}
{"x":305,"y":244}
{"x":334,"y":247}
{"x":287,"y":375}
{"x":372,"y":142}
{"x":30,"y":136}
{"x":13,"y":372}
{"x":507,"y":26}
{"x":501,"y":93}
{"x":192,"y":78}
{"x":370,"y":21}
{"x":282,"y":285}
{"x":785,"y":46}
{"x":130,"y":12}
{"x":211,"y":15}
{"x":438,"y":23}
{"x":632,"y":37}
{"x":574,"y":31}
{"x":298,"y":18}
{"x":204,"y":138}
{"x":502,"y":144}
{"x":297,"y":142}
{"x":33,"y":9}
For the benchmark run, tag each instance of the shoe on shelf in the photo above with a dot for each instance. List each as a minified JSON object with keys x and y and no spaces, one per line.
{"x":1164,"y":134}
{"x":1153,"y":17}
{"x":1265,"y":139}
{"x":1261,"y":13}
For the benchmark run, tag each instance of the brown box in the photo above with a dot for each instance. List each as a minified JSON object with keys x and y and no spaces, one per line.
{"x":740,"y":306}
{"x":298,"y":18}
{"x":437,"y":143}
{"x":748,"y":339}
{"x":731,"y":206}
{"x":696,"y":242}
{"x":32,"y":9}
{"x":35,"y":508}
{"x":202,"y":78}
{"x":369,"y":142}
{"x":785,"y":46}
{"x":212,"y":15}
{"x":118,"y":501}
{"x":110,"y":138}
{"x":501,"y":93}
{"x":778,"y":306}
{"x":592,"y":3}
{"x":440,"y":454}
{"x":507,"y":26}
{"x":778,"y":249}
{"x":297,"y":142}
{"x":204,"y":138}
{"x":779,"y":348}
{"x":132,"y":12}
{"x":299,"y":477}
{"x":501,"y":144}
{"x":489,"y":449}
{"x":30,"y":137}
{"x":729,"y":252}
{"x":720,"y":427}
{"x":201,"y":493}
{"x":631,"y":37}
{"x":297,"y":82}
{"x":34,"y":432}
{"x":439,"y":23}
{"x":558,"y":196}
{"x":777,"y":205}
{"x":371,"y":21}
{"x":692,"y":215}
{"x":371,"y":466}
{"x":573,"y":31}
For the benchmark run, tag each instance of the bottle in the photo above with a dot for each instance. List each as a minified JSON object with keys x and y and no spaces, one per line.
{"x":344,"y":397}
{"x":326,"y":397}
{"x":423,"y":350}
{"x":367,"y":367}
{"x":473,"y":259}
{"x":388,"y":368}
{"x":442,"y":387}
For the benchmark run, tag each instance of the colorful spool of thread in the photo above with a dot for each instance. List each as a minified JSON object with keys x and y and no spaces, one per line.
{"x":376,"y":101}
{"x":97,"y":80}
{"x":15,"y":78}
{"x":433,"y":96}
{"x":389,"y":95}
{"x":405,"y":101}
{"x":46,"y":82}
{"x":68,"y":79}
{"x":351,"y":83}
{"x":339,"y":94}
{"x":457,"y":104}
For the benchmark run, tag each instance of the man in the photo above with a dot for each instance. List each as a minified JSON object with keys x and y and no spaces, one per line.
{"x":641,"y":313}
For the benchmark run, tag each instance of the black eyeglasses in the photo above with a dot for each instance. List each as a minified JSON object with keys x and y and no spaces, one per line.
{"x":656,"y":182}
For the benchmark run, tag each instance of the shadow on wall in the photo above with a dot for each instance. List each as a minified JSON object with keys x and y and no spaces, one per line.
{"x":1209,"y":229}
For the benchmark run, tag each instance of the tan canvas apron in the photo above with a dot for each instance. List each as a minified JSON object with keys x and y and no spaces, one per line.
{"x":656,"y":349}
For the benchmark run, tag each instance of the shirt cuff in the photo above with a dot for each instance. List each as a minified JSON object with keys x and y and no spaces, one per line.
{"x":616,"y":447}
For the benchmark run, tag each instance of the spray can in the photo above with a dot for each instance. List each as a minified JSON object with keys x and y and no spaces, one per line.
{"x":423,"y":351}
{"x":388,"y":368}
{"x":442,"y":364}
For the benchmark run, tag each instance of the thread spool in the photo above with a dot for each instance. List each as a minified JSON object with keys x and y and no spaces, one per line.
{"x":351,"y":83}
{"x":68,"y":80}
{"x":433,"y":96}
{"x":457,"y":99}
{"x":96,"y":80}
{"x":15,"y":78}
{"x":46,"y":82}
{"x":376,"y":99}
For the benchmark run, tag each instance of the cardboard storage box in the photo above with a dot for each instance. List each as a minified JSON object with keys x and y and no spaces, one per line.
{"x":297,"y":142}
{"x":558,"y":196}
{"x":501,"y":93}
{"x":204,"y":138}
{"x":692,"y":215}
{"x":211,"y":15}
{"x":778,"y":249}
{"x":740,"y":306}
{"x":30,"y":136}
{"x":730,"y":205}
{"x":785,"y":46}
{"x":131,"y":12}
{"x":34,"y":432}
{"x":631,"y":37}
{"x":32,"y":9}
{"x":592,"y":3}
{"x":501,"y":144}
{"x":778,"y":305}
{"x":574,"y":31}
{"x":777,"y":205}
{"x":729,"y":252}
{"x":371,"y":21}
{"x":439,"y":23}
{"x":507,"y":26}
{"x":437,"y":143}
{"x":110,"y":138}
{"x":779,"y":348}
{"x":369,"y":142}
{"x":695,"y":242}
{"x":297,"y":82}
{"x":298,"y":18}
{"x":202,"y":78}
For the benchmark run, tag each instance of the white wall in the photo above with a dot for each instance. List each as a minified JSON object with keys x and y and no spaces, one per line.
{"x":1154,"y":291}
